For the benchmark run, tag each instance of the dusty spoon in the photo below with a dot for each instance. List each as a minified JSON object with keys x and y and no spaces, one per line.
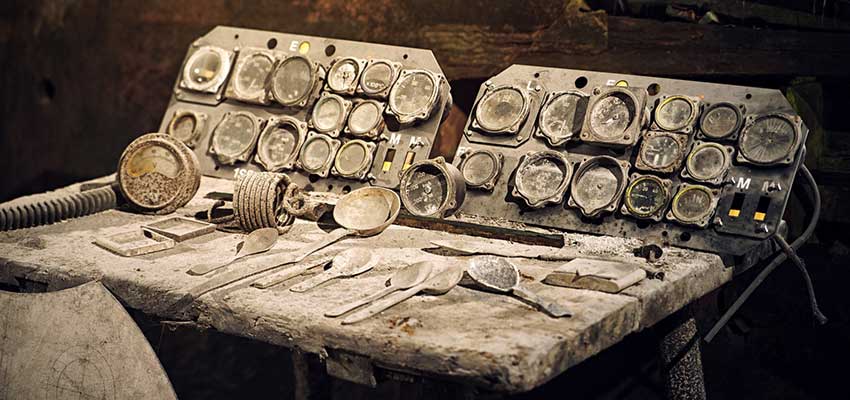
{"x":347,"y":263}
{"x":439,"y":283}
{"x":405,"y":278}
{"x":499,"y":275}
{"x":256,"y":242}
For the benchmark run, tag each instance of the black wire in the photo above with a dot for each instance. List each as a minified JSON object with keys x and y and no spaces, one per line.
{"x":813,"y":302}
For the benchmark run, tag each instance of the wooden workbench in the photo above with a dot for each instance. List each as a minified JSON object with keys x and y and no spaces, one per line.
{"x":480,"y":338}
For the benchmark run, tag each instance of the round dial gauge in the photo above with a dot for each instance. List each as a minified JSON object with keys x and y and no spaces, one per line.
{"x":234,"y":137}
{"x":293,"y":80}
{"x":768,"y":140}
{"x":414,"y":95}
{"x":329,"y":114}
{"x":317,"y":154}
{"x":377,"y":77}
{"x":675,"y":113}
{"x":612,"y":115}
{"x":693,"y":204}
{"x":646,"y":196}
{"x":186,"y":126}
{"x":157,"y":173}
{"x":354,"y":159}
{"x":206,"y":69}
{"x":597,"y":185}
{"x":660,"y":151}
{"x":365,"y":118}
{"x":501,"y":110}
{"x":542,"y":178}
{"x":343,"y":74}
{"x":707,"y":161}
{"x":560,"y":119}
{"x":432,"y":188}
{"x":250,"y":76}
{"x":480,"y":168}
{"x":720,"y":121}
{"x":278,"y":145}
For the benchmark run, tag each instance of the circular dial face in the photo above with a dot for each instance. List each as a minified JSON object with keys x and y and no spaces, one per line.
{"x":377,"y":77}
{"x":541,"y":178}
{"x":343,"y":75}
{"x":646,"y":196}
{"x":612,"y":115}
{"x":316,"y":154}
{"x":183,"y":127}
{"x":251,"y":77}
{"x":204,"y":67}
{"x":150,"y":176}
{"x":674,"y":113}
{"x":596,"y":188}
{"x":692,"y":204}
{"x":328,"y":114}
{"x":234,"y":135}
{"x":707,"y":162}
{"x":292,"y":80}
{"x":479,"y":167}
{"x":351,"y":158}
{"x":500,"y":109}
{"x":768,"y":140}
{"x":364,"y":117}
{"x":427,"y":190}
{"x":720,"y":121}
{"x":413,"y":94}
{"x":280,"y":144}
{"x":558,"y":118}
{"x":660,"y":151}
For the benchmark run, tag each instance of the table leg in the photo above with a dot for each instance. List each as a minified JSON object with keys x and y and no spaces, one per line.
{"x":680,"y":357}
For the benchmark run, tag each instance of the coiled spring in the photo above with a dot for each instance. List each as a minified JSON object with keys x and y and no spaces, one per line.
{"x":50,"y":208}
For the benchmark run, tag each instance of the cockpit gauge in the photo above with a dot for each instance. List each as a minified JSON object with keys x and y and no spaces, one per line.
{"x":317,"y":154}
{"x":501,"y":110}
{"x":206,"y":69}
{"x":344,"y":74}
{"x":378,"y":77}
{"x":676,"y":113}
{"x":187,"y":126}
{"x":769,"y":139}
{"x":661,"y":151}
{"x":598,"y":184}
{"x":721,"y":121}
{"x":646,"y":197}
{"x":561,"y":116}
{"x":542,"y":178}
{"x":277,"y":148}
{"x":329,"y":114}
{"x":693,"y":205}
{"x":414,"y":96}
{"x":235,"y":137}
{"x":614,"y":116}
{"x":708,"y":162}
{"x":366,"y":119}
{"x":432,"y":188}
{"x":354,"y":159}
{"x":157,"y":173}
{"x":248,"y":82}
{"x":481,"y":168}
{"x":294,"y":80}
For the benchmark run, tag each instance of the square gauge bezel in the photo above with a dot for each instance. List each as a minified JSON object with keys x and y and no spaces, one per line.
{"x":580,"y":107}
{"x":407,"y":119}
{"x":201,"y":120}
{"x":658,"y":215}
{"x":490,"y":183}
{"x":680,"y":138}
{"x":380,"y":94}
{"x":340,"y":126}
{"x":719,"y":178}
{"x":214,"y":87}
{"x":632,"y":132}
{"x":245,"y":154}
{"x":701,"y":222}
{"x":688,"y":127}
{"x":740,"y":112}
{"x":375,"y":131}
{"x":750,"y":120}
{"x":243,"y":56}
{"x":333,"y":145}
{"x":582,"y":167}
{"x":512,"y":129}
{"x":289,"y":163}
{"x":317,"y":82}
{"x":350,"y":90}
{"x":363,"y":172}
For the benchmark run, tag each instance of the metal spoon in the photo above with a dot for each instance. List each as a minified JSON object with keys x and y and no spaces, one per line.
{"x":437,"y":284}
{"x":256,"y":242}
{"x":347,"y":263}
{"x":499,"y":275}
{"x":405,"y":278}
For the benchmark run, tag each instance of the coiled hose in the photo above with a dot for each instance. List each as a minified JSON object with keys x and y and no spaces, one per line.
{"x":50,"y":208}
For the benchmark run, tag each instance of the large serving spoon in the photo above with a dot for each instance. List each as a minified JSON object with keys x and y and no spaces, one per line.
{"x":438,"y":284}
{"x":256,"y":242}
{"x":289,"y":272}
{"x":404,"y":278}
{"x":346,"y":264}
{"x":499,"y":275}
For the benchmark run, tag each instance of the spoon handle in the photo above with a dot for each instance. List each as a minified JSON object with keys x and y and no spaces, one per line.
{"x":382,"y":305}
{"x":207,"y":268}
{"x":331,"y":238}
{"x":288,"y":273}
{"x":551,"y":308}
{"x":345,"y":308}
{"x":314,"y":281}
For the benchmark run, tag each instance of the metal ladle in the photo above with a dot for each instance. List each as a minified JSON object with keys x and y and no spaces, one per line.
{"x":404,"y":278}
{"x":258,"y":241}
{"x":346,"y":264}
{"x":499,"y":275}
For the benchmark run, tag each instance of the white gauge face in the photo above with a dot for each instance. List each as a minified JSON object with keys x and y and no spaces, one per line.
{"x":479,"y":168}
{"x":150,"y":176}
{"x":660,"y":151}
{"x":596,"y":188}
{"x":426,"y":190}
{"x":252,"y":74}
{"x":343,"y":75}
{"x":558,"y":120}
{"x":204,"y":67}
{"x":316,"y":154}
{"x":500,"y":109}
{"x":769,"y":140}
{"x":541,"y":178}
{"x":328,"y":114}
{"x":234,"y":135}
{"x":280,"y":144}
{"x":351,"y":158}
{"x":646,"y":196}
{"x":707,"y":162}
{"x":292,"y":80}
{"x":413,"y":94}
{"x":364,"y":118}
{"x":377,"y":78}
{"x":183,"y":127}
{"x":692,"y":204}
{"x":720,"y":121}
{"x":674,"y":113}
{"x":612,"y":115}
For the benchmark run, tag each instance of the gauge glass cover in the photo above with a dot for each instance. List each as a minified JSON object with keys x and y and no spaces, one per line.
{"x":377,"y":77}
{"x":559,"y":120}
{"x":328,"y":114}
{"x":646,"y":196}
{"x":150,"y":176}
{"x":251,"y":77}
{"x":720,"y":121}
{"x":234,"y":135}
{"x":292,"y":80}
{"x":612,"y":115}
{"x":413,"y":94}
{"x":351,"y":158}
{"x":316,"y":154}
{"x":479,"y":167}
{"x":206,"y":69}
{"x":364,"y":117}
{"x":768,"y":140}
{"x":541,"y":178}
{"x":674,"y":113}
{"x":183,"y":127}
{"x":660,"y":151}
{"x":707,"y":162}
{"x":427,"y":190}
{"x":500,"y":109}
{"x":280,"y":144}
{"x":343,"y":75}
{"x":596,"y":188}
{"x":692,"y":204}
